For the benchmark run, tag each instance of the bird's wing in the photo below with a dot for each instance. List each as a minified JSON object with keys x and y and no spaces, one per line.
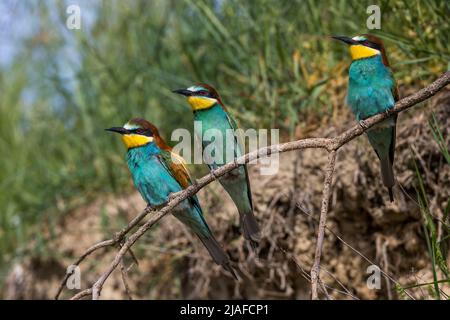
{"x":394,"y":129}
{"x":396,"y":97}
{"x":238,"y":139}
{"x":176,"y":166}
{"x":240,"y":144}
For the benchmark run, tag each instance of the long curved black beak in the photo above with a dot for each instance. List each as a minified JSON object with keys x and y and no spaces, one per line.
{"x":184,"y":92}
{"x":344,"y":39}
{"x":120,"y":130}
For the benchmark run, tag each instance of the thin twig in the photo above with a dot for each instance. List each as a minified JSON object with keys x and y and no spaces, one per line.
{"x":386,"y":268}
{"x":82,"y":294}
{"x":355,"y":250}
{"x":339,"y":283}
{"x":307,"y":277}
{"x":124,"y":273}
{"x":95,"y":247}
{"x":315,"y":270}
{"x":118,"y":237}
{"x":324,"y":289}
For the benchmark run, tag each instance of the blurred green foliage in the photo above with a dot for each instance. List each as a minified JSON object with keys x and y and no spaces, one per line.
{"x":271,"y":60}
{"x":437,"y":242}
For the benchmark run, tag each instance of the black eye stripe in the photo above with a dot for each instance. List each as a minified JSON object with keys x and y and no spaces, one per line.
{"x":204,"y":93}
{"x":142,"y":132}
{"x":370,"y":44}
{"x":148,"y":133}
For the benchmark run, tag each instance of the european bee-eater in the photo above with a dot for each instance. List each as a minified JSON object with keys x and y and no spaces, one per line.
{"x":209,"y":109}
{"x":157,"y":173}
{"x":372,"y":90}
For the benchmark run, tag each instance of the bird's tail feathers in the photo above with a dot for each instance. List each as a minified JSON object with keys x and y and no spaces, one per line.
{"x":217,"y":253}
{"x":391,"y":195}
{"x":250,"y":228}
{"x":387,"y":175}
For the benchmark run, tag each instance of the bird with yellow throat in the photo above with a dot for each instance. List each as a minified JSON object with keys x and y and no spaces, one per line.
{"x":372,"y":90}
{"x":209,"y":109}
{"x":157,"y":173}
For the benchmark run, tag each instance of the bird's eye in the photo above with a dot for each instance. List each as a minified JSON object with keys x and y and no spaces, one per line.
{"x":140,"y":131}
{"x":203,"y":93}
{"x":371,"y":45}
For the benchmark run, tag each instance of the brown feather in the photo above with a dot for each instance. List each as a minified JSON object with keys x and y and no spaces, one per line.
{"x":180,"y":173}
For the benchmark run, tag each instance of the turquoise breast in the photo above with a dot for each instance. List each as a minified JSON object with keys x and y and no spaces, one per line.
{"x":150,"y":177}
{"x":214,"y":122}
{"x":370,"y":87}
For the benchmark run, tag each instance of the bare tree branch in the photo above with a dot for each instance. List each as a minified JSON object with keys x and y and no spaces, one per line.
{"x":82,"y":294}
{"x":117,"y":239}
{"x":315,"y":270}
{"x":124,"y":272}
{"x":359,"y":253}
{"x":329,"y":144}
